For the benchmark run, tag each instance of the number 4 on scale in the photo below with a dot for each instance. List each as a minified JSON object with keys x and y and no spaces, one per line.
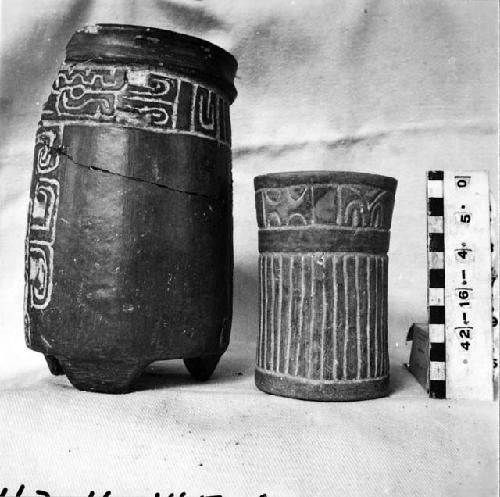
{"x":463,"y":254}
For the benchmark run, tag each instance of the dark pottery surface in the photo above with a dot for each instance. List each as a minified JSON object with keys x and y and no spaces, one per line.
{"x":129,"y":255}
{"x":323,"y":241}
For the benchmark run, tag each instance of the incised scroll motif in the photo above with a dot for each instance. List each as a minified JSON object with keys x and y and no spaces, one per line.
{"x":138,"y":98}
{"x":42,"y":217}
{"x":356,"y":206}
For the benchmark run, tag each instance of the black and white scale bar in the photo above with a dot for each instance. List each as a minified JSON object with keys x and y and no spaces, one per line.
{"x":436,"y":284}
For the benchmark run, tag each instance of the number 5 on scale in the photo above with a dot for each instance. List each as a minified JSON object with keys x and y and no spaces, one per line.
{"x":463,"y":217}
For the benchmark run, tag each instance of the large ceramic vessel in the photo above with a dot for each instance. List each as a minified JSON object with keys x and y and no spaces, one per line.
{"x":323,"y":241}
{"x":129,"y":254}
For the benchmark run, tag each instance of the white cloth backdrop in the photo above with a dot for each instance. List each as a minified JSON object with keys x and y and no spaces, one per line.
{"x":386,"y":87}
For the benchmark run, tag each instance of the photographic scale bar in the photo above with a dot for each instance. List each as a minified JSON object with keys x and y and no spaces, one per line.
{"x":459,"y":285}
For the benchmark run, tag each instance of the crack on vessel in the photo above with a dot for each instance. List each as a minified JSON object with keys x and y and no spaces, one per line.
{"x":61,"y":152}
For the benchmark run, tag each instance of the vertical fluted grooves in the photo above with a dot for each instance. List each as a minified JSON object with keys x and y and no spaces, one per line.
{"x":323,"y":316}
